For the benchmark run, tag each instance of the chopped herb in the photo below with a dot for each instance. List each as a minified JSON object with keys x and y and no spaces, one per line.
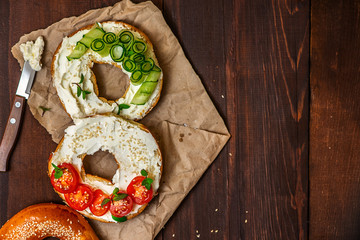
{"x":79,"y":90}
{"x":58,"y":171}
{"x":144,"y":172}
{"x":147,"y":183}
{"x":105,"y":201}
{"x":81,"y":79}
{"x":120,"y":196}
{"x":44,"y":109}
{"x":121,"y":107}
{"x":84,"y":93}
{"x":116,"y":190}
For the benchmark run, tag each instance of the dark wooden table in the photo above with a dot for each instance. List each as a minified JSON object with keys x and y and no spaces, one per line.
{"x":284,"y":74}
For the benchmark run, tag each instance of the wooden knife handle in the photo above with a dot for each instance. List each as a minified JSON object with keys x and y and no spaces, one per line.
{"x":11,"y":131}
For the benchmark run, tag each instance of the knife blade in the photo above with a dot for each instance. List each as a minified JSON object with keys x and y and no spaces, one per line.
{"x":14,"y":120}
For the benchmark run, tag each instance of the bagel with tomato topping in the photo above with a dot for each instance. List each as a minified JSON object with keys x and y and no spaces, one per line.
{"x":47,"y":220}
{"x":115,"y":43}
{"x":137,"y":177}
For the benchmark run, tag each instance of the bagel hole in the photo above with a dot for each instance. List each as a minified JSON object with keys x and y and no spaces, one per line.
{"x":112,"y":81}
{"x":51,"y":238}
{"x":101,"y":164}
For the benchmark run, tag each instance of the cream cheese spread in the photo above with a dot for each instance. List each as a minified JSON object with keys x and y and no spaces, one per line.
{"x":67,"y":73}
{"x":133,"y":148}
{"x":32,"y":52}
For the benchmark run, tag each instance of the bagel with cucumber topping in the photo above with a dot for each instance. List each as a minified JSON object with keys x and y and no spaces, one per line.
{"x":116,"y":43}
{"x":135,"y":182}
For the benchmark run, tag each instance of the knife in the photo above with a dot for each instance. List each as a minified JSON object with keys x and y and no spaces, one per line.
{"x":17,"y":109}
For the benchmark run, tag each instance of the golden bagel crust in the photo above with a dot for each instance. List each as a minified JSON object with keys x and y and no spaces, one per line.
{"x":82,"y":173}
{"x":93,"y":79}
{"x":47,"y":220}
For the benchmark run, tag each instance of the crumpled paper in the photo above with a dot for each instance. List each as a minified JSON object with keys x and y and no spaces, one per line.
{"x":188,"y":127}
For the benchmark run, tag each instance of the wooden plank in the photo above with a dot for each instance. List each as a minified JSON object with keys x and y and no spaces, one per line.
{"x":199,"y":29}
{"x":267,"y":112}
{"x":4,"y":97}
{"x":335,"y":117}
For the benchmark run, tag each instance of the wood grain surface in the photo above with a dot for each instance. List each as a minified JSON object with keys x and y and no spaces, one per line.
{"x":335,"y":120}
{"x":253,"y":57}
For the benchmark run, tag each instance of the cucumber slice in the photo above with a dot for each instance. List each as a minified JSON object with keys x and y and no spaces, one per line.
{"x":129,"y":65}
{"x":105,"y":51}
{"x":139,"y":46}
{"x":144,"y":93}
{"x":117,"y":53}
{"x":109,"y":37}
{"x":86,"y":41}
{"x":156,"y":68}
{"x":95,"y":33}
{"x":126,"y":38}
{"x":121,"y":219}
{"x":147,"y":66}
{"x":91,"y":35}
{"x":148,"y":87}
{"x":78,"y":51}
{"x":97,"y":45}
{"x":137,"y":58}
{"x":153,"y":76}
{"x":137,"y":77}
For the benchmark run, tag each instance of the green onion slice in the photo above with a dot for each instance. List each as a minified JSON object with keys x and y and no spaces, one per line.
{"x":129,"y":65}
{"x":137,"y":77}
{"x":139,"y":46}
{"x":109,"y":37}
{"x":147,"y":66}
{"x":117,"y":53}
{"x":97,"y":45}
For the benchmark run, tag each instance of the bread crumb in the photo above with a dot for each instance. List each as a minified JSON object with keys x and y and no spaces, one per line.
{"x":245,"y":220}
{"x":222,"y":96}
{"x":197,"y":231}
{"x":247,"y":211}
{"x":216,"y":231}
{"x":198,"y":235}
{"x":173,"y":235}
{"x":230,"y":154}
{"x":212,"y":231}
{"x":216,"y":210}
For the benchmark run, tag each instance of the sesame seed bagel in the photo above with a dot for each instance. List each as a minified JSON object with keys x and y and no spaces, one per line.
{"x":47,"y":220}
{"x":132,"y":145}
{"x":80,"y":97}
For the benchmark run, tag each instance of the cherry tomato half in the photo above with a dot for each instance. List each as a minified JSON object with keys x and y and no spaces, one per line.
{"x":81,"y":198}
{"x":139,"y":193}
{"x":69,"y":180}
{"x":95,"y":206}
{"x":121,"y":207}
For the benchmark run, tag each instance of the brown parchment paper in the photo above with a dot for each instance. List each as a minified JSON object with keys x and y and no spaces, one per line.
{"x":189,"y":129}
